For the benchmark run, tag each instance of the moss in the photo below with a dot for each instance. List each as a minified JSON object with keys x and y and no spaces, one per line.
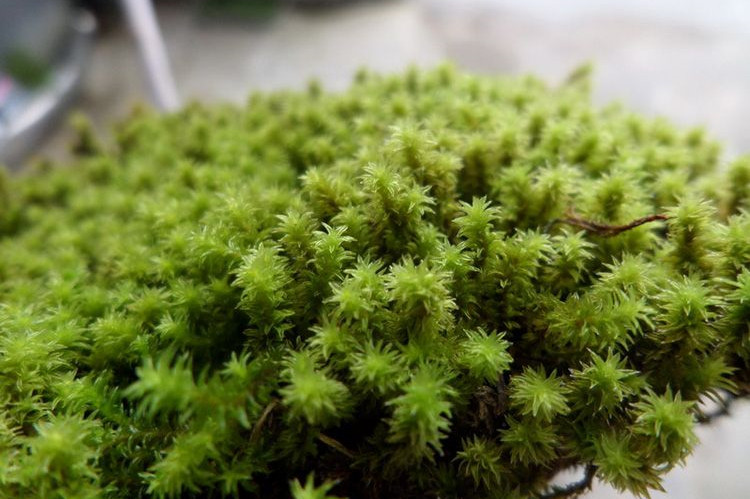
{"x":25,"y":68}
{"x":433,"y":284}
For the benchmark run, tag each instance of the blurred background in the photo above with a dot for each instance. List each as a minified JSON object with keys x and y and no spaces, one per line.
{"x":686,"y":60}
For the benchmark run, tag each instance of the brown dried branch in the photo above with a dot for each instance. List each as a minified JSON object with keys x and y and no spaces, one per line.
{"x":725,"y":404}
{"x":572,"y":489}
{"x":723,"y":410}
{"x":606,"y":230}
{"x":335,"y":444}
{"x":255,"y":434}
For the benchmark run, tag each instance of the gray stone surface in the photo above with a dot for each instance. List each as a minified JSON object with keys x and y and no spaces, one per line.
{"x":687,"y":60}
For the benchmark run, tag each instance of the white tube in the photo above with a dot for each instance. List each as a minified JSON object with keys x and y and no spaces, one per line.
{"x":144,"y":26}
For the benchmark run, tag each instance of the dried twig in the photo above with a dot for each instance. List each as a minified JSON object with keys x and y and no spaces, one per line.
{"x":725,"y":404}
{"x":335,"y":444}
{"x":255,"y":434}
{"x":723,"y":410}
{"x":572,"y":489}
{"x":606,"y":230}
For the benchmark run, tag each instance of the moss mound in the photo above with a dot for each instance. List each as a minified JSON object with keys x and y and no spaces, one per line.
{"x":432,"y":285}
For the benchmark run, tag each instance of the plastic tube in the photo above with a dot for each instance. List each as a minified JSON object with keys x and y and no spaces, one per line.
{"x":144,"y":26}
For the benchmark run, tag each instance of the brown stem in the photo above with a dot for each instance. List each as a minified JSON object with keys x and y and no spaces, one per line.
{"x":725,"y":405}
{"x":335,"y":444}
{"x":572,"y":489}
{"x":255,"y":434}
{"x":606,"y":230}
{"x":723,"y":410}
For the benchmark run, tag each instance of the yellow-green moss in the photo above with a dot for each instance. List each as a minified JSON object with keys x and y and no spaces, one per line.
{"x":410,"y":289}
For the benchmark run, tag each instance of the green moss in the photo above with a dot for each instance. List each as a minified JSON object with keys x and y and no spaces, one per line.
{"x":430,"y":285}
{"x":25,"y":68}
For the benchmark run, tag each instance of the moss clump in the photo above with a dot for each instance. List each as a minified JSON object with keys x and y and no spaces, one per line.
{"x":432,"y":285}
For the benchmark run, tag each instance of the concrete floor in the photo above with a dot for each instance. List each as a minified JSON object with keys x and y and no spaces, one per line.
{"x":684,"y":59}
{"x":687,"y":60}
